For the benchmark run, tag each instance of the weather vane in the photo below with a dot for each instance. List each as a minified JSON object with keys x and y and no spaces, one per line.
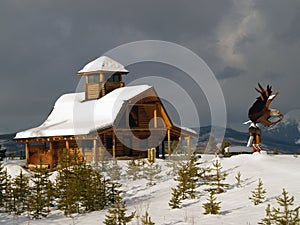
{"x":259,"y":112}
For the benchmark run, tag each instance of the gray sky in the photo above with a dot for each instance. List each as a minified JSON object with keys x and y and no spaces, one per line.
{"x":44,"y":43}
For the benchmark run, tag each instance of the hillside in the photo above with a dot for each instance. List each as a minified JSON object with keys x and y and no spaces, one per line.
{"x":276,"y":172}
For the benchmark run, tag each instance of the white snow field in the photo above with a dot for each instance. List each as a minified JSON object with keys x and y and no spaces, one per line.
{"x":276,"y":171}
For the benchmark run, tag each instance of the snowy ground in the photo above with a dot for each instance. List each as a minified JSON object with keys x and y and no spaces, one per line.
{"x":276,"y":172}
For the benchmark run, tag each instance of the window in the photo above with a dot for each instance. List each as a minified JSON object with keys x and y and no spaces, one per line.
{"x":87,"y":145}
{"x":93,"y":78}
{"x":134,"y":117}
{"x":115,"y":78}
{"x":109,"y":142}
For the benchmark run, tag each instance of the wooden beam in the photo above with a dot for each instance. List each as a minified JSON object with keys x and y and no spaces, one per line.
{"x":27,"y":148}
{"x":155,"y":116}
{"x":51,"y":155}
{"x":114,"y":145}
{"x":169,"y":143}
{"x":95,"y":151}
{"x":188,"y":143}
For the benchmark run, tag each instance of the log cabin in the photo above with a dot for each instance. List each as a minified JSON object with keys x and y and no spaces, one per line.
{"x":106,"y":120}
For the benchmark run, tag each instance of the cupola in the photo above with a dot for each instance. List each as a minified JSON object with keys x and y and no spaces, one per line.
{"x":102,"y":76}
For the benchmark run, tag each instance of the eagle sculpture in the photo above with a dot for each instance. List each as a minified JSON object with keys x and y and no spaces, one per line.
{"x":260,"y":112}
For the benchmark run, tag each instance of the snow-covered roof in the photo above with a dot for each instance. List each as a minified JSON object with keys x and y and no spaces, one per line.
{"x":72,"y":115}
{"x":103,"y":63}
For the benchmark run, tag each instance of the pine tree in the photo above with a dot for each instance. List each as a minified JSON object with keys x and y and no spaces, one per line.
{"x":92,"y":189}
{"x":41,"y":193}
{"x":7,"y":192}
{"x":117,"y":213}
{"x":69,"y":183}
{"x":238,"y":180}
{"x":286,"y":216}
{"x":2,"y":185}
{"x":176,"y":199}
{"x":146,"y":220}
{"x":66,"y":191}
{"x":187,"y":178}
{"x":112,"y":190}
{"x":20,"y":193}
{"x":258,"y":195}
{"x":151,"y":172}
{"x":99,"y":189}
{"x":134,"y":169}
{"x":211,"y":206}
{"x":269,"y":219}
{"x":193,"y":173}
{"x":216,"y":179}
{"x":114,"y":171}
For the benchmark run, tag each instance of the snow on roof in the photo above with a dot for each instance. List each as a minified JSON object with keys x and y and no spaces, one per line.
{"x":72,"y":115}
{"x":103,"y":63}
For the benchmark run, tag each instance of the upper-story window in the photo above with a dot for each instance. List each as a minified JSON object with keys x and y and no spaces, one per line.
{"x":115,"y":78}
{"x":93,"y":78}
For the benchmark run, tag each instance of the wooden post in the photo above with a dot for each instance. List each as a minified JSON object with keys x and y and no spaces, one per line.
{"x":95,"y":150}
{"x":51,"y":155}
{"x":169,"y":142}
{"x":163,"y":149}
{"x":188,"y":143}
{"x":155,"y":117}
{"x":102,"y":84}
{"x":27,"y":147}
{"x":114,"y":145}
{"x":67,"y":144}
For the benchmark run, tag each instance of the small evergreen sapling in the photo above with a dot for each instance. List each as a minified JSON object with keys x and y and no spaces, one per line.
{"x":176,"y":199}
{"x":41,"y":194}
{"x":238,"y":179}
{"x":151,"y":172}
{"x":211,"y":206}
{"x":268,"y":220}
{"x":20,"y":191}
{"x":117,"y":213}
{"x":217,"y":178}
{"x":286,"y":216}
{"x":258,"y":195}
{"x":146,"y":220}
{"x":134,"y":169}
{"x":7,"y":192}
{"x":2,"y":185}
{"x":114,"y":171}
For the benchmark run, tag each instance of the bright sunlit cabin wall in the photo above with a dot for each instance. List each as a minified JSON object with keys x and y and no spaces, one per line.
{"x":101,"y":83}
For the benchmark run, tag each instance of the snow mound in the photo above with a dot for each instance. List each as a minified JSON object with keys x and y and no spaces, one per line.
{"x":15,"y":167}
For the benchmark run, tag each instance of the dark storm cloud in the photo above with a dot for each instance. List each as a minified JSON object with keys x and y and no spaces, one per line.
{"x":44,"y":43}
{"x":229,"y":72}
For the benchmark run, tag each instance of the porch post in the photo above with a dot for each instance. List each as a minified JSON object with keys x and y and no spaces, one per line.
{"x":169,"y":142}
{"x":67,"y":144}
{"x":163,"y":149}
{"x":155,"y":116}
{"x":95,"y":150}
{"x":114,"y":145}
{"x":51,"y":155}
{"x":188,"y":143}
{"x":27,"y":146}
